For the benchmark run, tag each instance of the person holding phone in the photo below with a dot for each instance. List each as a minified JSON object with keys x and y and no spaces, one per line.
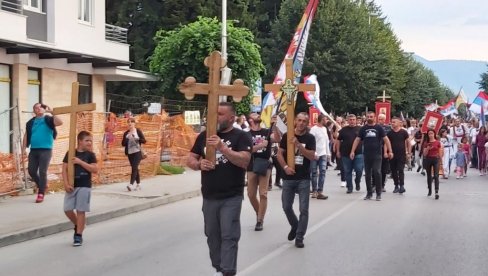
{"x":132,"y":140}
{"x":40,"y":133}
{"x":431,"y":152}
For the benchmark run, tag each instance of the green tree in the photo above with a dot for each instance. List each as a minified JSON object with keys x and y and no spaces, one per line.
{"x":180,"y":53}
{"x":484,"y":81}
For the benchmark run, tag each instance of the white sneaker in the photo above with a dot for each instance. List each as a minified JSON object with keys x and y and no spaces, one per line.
{"x":218,"y":274}
{"x":343,"y":183}
{"x":457,"y":177}
{"x":138,"y":188}
{"x":130,"y":187}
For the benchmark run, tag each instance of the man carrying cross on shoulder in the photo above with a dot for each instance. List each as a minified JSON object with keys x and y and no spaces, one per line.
{"x":297,"y":180}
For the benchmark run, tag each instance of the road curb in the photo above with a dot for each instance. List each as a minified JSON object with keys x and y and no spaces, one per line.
{"x":46,"y":230}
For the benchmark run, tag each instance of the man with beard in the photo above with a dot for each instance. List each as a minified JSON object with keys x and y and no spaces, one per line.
{"x":400,"y":145}
{"x":346,"y":138}
{"x":222,"y":187}
{"x":373,"y":136}
{"x":297,"y":180}
{"x":261,"y":150}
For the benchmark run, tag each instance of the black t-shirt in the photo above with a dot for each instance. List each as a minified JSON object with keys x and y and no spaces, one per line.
{"x":372,"y":137}
{"x":347,"y":135}
{"x":82,"y":176}
{"x":258,"y":136}
{"x":397,"y":140}
{"x":302,"y":164}
{"x":227,"y":179}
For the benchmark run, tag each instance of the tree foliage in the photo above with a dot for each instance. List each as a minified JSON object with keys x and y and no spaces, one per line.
{"x":352,"y":49}
{"x":180,"y":53}
{"x":484,"y":81}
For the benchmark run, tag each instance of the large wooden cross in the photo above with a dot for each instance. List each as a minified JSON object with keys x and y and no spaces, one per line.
{"x":290,"y":89}
{"x":384,"y":97}
{"x":213,"y":89}
{"x":72,"y":110}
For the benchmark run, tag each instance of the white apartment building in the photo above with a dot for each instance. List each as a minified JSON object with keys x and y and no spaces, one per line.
{"x":46,"y":45}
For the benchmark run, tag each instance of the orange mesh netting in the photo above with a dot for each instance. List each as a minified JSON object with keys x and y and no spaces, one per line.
{"x":178,"y":139}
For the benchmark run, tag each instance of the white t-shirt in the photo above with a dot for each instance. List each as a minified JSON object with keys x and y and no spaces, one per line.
{"x":321,"y":140}
{"x":474,"y":131}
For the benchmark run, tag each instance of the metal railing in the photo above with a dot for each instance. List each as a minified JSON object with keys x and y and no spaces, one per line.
{"x":14,"y":6}
{"x":115,"y":33}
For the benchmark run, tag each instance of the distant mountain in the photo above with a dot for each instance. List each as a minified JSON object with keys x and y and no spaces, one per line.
{"x":457,"y":73}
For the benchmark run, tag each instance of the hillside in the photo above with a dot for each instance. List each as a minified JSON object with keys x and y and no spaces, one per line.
{"x":457,"y":73}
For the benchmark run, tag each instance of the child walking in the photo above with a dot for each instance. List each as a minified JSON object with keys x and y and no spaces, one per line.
{"x":78,"y":194}
{"x":461,"y":161}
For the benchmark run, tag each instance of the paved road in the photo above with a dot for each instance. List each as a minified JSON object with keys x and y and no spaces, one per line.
{"x":401,"y":235}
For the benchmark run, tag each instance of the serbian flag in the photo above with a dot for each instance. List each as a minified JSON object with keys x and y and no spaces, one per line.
{"x":480,"y":101}
{"x":296,"y":51}
{"x":431,"y":107}
{"x":449,"y":108}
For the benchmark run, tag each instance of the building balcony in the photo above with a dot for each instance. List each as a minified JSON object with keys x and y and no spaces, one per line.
{"x":14,"y":6}
{"x":115,"y":34}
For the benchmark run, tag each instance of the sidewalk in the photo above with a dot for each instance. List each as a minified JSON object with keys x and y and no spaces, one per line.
{"x":22,"y":219}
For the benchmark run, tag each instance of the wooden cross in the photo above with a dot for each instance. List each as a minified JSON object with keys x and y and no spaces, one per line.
{"x":384,"y":97}
{"x":213,"y":89}
{"x":72,"y":110}
{"x":290,"y":89}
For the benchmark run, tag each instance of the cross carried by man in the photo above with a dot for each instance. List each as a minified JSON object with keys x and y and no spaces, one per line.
{"x":290,"y":89}
{"x":213,"y":89}
{"x":73,"y":109}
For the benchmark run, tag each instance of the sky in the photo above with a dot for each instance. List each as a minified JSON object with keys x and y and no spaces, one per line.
{"x":440,"y":29}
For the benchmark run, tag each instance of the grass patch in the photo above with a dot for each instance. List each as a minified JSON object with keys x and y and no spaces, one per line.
{"x":169,"y":170}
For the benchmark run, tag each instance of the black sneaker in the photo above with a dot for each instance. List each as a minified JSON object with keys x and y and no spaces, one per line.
{"x":436,"y":196}
{"x":419,"y":168}
{"x":378,"y":197}
{"x":293,"y":234}
{"x":396,"y":190}
{"x":422,"y":173}
{"x":259,"y":226}
{"x":358,"y":187}
{"x":349,"y":192}
{"x":402,"y":190}
{"x":299,"y":243}
{"x":367,"y":197}
{"x":77,"y":240}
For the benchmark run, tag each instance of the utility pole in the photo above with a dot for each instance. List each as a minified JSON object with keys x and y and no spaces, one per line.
{"x":226,"y":72}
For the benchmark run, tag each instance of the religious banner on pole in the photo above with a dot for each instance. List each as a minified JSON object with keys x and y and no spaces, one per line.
{"x":433,"y":120}
{"x":296,"y":52}
{"x":256,"y":101}
{"x":383,"y":108}
{"x":313,"y":114}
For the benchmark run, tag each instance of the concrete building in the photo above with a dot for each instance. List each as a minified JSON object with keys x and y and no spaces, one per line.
{"x":45,"y":46}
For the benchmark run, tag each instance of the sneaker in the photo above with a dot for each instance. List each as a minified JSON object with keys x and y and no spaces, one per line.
{"x":130,"y":187}
{"x":343,"y":183}
{"x":367,"y":197}
{"x":138,"y":188}
{"x":436,"y":196}
{"x":378,"y":197}
{"x":293,"y":233}
{"x":40,"y":198}
{"x":358,"y":187}
{"x":402,"y":190}
{"x":299,"y":243}
{"x":457,"y":177}
{"x":422,"y":173}
{"x":396,"y":190}
{"x":314,"y":194}
{"x":349,"y":192}
{"x":322,"y":196}
{"x":77,"y":240}
{"x":259,"y":226}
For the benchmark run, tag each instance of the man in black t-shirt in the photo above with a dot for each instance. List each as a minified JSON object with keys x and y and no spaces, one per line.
{"x":223,"y":187}
{"x":373,"y":136}
{"x":77,"y":196}
{"x":346,"y":138}
{"x":400,"y":145}
{"x":297,"y":180}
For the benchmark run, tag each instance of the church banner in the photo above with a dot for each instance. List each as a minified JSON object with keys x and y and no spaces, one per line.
{"x":383,"y":108}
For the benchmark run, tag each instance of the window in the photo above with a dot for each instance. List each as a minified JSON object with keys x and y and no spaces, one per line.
{"x":85,"y":92}
{"x":5,"y":116}
{"x":85,"y":10}
{"x":33,"y":87}
{"x":33,"y":5}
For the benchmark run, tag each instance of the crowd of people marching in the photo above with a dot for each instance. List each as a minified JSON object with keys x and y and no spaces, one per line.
{"x":357,"y":145}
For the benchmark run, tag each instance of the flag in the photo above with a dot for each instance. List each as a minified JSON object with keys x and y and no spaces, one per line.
{"x":449,"y":108}
{"x":401,"y":116}
{"x":296,"y":51}
{"x":431,"y":107}
{"x":314,"y":97}
{"x":461,"y":98}
{"x":478,"y":102}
